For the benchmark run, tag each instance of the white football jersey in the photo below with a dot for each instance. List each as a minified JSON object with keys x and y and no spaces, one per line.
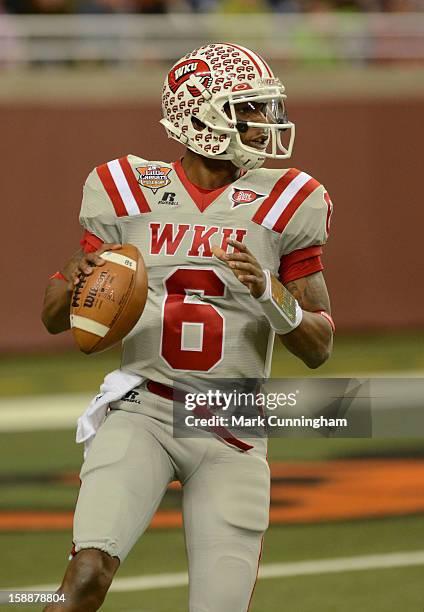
{"x":200,"y":322}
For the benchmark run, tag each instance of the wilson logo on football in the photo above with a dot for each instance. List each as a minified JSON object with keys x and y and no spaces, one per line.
{"x":244,"y":196}
{"x":153,"y":177}
{"x":183,"y":71}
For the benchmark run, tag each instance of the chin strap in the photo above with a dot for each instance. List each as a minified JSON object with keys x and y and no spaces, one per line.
{"x":243,"y":159}
{"x":280,"y":308}
{"x":173,"y":132}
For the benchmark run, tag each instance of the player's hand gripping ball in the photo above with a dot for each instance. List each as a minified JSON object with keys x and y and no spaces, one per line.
{"x":109,"y":300}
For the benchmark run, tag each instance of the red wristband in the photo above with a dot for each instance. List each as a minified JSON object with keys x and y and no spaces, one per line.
{"x":328,"y":317}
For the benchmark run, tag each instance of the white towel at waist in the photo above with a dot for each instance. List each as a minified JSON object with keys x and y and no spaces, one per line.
{"x":115,"y":385}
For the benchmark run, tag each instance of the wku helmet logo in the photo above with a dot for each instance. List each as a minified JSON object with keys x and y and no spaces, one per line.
{"x":244,"y":196}
{"x":183,"y":71}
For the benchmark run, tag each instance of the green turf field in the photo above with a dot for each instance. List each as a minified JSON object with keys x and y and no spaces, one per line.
{"x":28,"y":460}
{"x":73,"y":372}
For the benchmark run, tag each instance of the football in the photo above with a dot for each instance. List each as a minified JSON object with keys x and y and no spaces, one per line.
{"x":107,"y":303}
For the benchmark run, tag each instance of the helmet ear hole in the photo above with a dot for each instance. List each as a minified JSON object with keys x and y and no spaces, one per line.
{"x":227,"y":110}
{"x":242,"y":126}
{"x":197,"y":124}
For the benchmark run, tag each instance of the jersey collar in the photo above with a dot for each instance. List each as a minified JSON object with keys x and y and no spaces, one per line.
{"x":201,"y":197}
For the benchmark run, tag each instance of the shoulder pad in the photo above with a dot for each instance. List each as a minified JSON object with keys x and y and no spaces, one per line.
{"x":292,"y":190}
{"x":119,"y":180}
{"x":263,"y":178}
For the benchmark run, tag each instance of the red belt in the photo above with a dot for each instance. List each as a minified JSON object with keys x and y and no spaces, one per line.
{"x":200,"y":411}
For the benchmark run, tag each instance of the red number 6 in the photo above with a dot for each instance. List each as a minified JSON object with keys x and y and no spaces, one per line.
{"x":185,"y":289}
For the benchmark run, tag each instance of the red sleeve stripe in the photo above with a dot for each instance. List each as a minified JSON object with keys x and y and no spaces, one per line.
{"x":122,"y":187}
{"x":90,"y":242}
{"x":112,"y":190}
{"x":276,"y":191}
{"x":299,"y":263}
{"x":301,"y":255}
{"x":135,"y":188}
{"x":300,"y":269}
{"x":293,"y":204}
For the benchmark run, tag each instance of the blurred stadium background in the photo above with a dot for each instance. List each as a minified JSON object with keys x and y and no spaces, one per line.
{"x":79,"y":84}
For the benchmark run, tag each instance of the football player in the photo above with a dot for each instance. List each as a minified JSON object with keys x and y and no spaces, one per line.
{"x":233,"y":258}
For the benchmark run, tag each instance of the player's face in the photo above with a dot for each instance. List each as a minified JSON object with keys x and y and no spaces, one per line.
{"x":251,"y":111}
{"x":256,"y":112}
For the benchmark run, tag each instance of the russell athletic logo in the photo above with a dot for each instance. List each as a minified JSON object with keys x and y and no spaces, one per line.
{"x":153,"y":177}
{"x":169,"y":199}
{"x":244,"y":196}
{"x":183,"y":71}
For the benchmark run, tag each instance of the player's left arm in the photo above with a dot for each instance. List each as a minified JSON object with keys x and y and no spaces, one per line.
{"x":312,"y":339}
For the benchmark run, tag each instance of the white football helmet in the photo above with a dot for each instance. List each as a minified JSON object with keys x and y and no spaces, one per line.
{"x":206,"y":85}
